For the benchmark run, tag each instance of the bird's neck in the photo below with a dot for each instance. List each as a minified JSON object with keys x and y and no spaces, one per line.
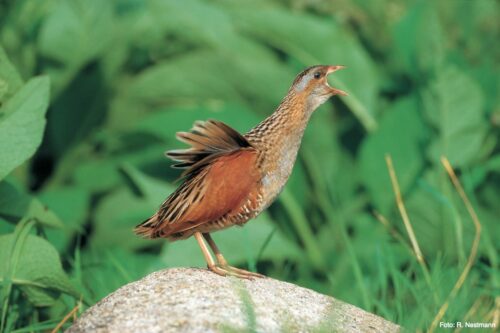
{"x":277,"y":139}
{"x":286,"y":125}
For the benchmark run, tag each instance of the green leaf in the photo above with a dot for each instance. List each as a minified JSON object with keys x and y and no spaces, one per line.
{"x":71,"y":35}
{"x":400,"y":134}
{"x":13,"y":203}
{"x":43,"y":215}
{"x":149,"y":188}
{"x":37,"y":271}
{"x":20,"y":26}
{"x":86,"y":100}
{"x":13,"y":253}
{"x":419,"y":40}
{"x":22,"y":123}
{"x":71,"y":204}
{"x":5,"y":227}
{"x":16,"y":204}
{"x":76,"y":31}
{"x":119,"y":212}
{"x":10,"y":80}
{"x":116,"y":217}
{"x":161,"y":83}
{"x":200,"y":22}
{"x":97,"y":175}
{"x":107,"y":269}
{"x":246,"y":74}
{"x":327,"y":171}
{"x":454,"y":106}
{"x":164,"y":124}
{"x":443,"y":224}
{"x":252,"y":68}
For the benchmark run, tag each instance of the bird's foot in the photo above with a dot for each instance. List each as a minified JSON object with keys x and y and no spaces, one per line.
{"x":226,"y":270}
{"x":245,"y":272}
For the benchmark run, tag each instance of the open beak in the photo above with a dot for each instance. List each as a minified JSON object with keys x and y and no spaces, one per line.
{"x":334,"y":91}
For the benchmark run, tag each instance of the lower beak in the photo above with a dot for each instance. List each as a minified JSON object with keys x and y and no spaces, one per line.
{"x":335,"y":91}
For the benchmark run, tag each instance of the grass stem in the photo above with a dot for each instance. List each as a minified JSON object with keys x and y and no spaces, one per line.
{"x":70,"y":314}
{"x":475,"y":244}
{"x":402,"y":210}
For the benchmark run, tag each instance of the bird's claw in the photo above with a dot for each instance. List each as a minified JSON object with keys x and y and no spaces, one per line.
{"x":226,"y":270}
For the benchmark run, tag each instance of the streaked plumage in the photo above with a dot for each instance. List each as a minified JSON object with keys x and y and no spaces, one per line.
{"x":230,"y":178}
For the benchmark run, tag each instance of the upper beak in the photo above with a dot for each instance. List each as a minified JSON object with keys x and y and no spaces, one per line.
{"x":335,"y":91}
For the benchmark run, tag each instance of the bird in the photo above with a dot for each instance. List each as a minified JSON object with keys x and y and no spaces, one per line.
{"x":230,"y":178}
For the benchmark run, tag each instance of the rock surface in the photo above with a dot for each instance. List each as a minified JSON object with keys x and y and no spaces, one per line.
{"x":195,"y":300}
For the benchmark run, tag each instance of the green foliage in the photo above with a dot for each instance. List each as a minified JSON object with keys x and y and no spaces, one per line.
{"x":460,"y":121}
{"x":22,"y":120}
{"x":11,"y":81}
{"x":400,"y":134}
{"x":35,"y":267}
{"x":81,"y":162}
{"x":15,"y":205}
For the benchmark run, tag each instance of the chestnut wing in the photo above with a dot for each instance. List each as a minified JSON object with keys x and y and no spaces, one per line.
{"x":219,"y":188}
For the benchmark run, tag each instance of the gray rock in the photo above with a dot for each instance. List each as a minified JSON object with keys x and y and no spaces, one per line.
{"x":196,"y":300}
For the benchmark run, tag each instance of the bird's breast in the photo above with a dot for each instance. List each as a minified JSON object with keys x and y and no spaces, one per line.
{"x":277,"y":167}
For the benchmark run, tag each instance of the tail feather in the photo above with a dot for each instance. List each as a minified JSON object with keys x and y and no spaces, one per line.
{"x":206,"y":138}
{"x":146,"y":228}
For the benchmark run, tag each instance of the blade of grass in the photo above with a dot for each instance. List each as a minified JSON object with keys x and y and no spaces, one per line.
{"x":496,"y":314}
{"x":382,"y":219}
{"x":385,"y":222}
{"x":475,"y":244}
{"x":443,"y":200}
{"x":409,"y":228}
{"x":321,"y":195}
{"x":397,"y":288}
{"x":358,"y":272}
{"x":304,"y":231}
{"x":247,"y":245}
{"x":265,"y":244}
{"x":402,"y":211}
{"x":65,"y":319}
{"x":20,"y":234}
{"x":43,"y":326}
{"x":122,"y":271}
{"x":380,"y":306}
{"x":488,"y":243}
{"x":473,"y":309}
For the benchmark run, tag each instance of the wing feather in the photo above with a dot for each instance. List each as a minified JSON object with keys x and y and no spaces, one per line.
{"x":220,"y":176}
{"x":206,"y":138}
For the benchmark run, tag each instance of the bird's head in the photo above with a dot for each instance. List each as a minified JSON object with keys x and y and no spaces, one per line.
{"x":312,"y":85}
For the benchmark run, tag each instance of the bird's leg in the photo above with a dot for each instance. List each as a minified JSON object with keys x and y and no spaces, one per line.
{"x":223,"y":262}
{"x":208,"y":257}
{"x":218,"y":268}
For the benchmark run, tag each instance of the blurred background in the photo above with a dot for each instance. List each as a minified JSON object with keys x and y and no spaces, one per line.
{"x":116,"y":79}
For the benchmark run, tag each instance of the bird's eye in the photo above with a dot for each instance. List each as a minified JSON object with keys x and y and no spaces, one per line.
{"x":317,"y":75}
